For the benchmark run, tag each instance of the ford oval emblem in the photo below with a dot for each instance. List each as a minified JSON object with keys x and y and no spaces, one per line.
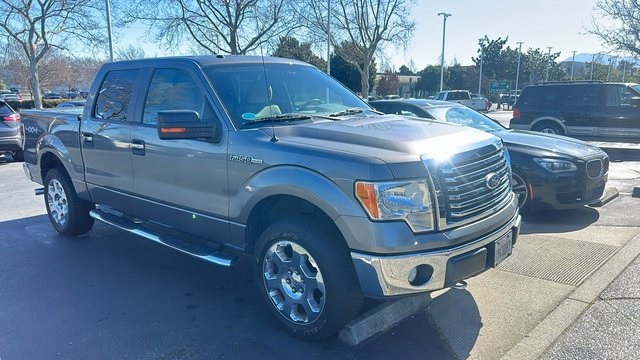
{"x":491,"y":181}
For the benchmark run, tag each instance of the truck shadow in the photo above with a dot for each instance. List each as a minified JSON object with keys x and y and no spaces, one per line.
{"x":134,"y":298}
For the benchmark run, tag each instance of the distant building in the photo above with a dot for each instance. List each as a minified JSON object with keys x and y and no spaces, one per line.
{"x":405,"y":89}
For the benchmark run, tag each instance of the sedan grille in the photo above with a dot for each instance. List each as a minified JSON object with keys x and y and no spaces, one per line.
{"x":474,"y":184}
{"x":596,"y":168}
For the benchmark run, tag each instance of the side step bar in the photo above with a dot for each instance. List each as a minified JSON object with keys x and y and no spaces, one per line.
{"x":201,"y":252}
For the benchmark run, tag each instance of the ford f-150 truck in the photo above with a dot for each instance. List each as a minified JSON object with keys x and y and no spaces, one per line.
{"x":220,"y":156}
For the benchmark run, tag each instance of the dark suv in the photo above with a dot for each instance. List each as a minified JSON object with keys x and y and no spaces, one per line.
{"x":11,"y":133}
{"x":592,"y":109}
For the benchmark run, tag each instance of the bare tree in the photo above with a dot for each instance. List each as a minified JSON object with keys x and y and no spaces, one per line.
{"x":219,"y":26}
{"x":366,"y":24}
{"x":625,"y":34}
{"x":38,"y":26}
{"x":130,"y":53}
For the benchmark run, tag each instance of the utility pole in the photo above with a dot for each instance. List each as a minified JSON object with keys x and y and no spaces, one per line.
{"x":546,"y":78}
{"x":518,"y":68}
{"x":481,"y":61}
{"x":328,"y":37}
{"x":109,"y":31}
{"x":593,"y":59}
{"x":573,"y":61}
{"x":609,"y":69}
{"x":444,"y":28}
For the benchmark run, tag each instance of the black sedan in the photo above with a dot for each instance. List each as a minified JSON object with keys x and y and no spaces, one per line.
{"x":549,"y":171}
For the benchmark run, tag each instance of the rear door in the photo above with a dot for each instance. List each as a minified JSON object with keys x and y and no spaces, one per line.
{"x":582,"y":108}
{"x":182,"y":183}
{"x":106,"y":138}
{"x":619,"y":119}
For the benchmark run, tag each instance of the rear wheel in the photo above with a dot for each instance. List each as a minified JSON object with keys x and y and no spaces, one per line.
{"x":68,"y":214}
{"x":549,"y":128}
{"x":306,"y":277}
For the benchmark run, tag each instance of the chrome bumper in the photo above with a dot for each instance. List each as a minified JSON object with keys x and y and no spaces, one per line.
{"x":389,"y":275}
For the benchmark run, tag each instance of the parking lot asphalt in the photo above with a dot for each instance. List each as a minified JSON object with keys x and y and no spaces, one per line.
{"x":570,"y":290}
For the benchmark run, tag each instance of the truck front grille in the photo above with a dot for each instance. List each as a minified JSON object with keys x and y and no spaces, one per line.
{"x":475,"y":184}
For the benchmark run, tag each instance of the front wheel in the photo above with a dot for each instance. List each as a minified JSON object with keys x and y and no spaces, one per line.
{"x":306,"y":277}
{"x":520,"y":187}
{"x":68,"y":214}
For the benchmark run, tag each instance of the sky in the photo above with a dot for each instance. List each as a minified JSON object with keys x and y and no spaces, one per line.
{"x":560,"y":24}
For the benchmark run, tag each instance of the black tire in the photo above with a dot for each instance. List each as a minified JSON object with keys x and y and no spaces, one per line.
{"x":68,"y":214}
{"x":549,"y":128}
{"x":299,"y":253}
{"x":520,"y":187}
{"x":18,"y":156}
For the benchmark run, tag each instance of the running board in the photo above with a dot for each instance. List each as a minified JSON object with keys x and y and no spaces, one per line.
{"x":201,"y":252}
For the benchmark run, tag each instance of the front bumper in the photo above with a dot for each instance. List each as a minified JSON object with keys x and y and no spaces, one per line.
{"x":382,"y":276}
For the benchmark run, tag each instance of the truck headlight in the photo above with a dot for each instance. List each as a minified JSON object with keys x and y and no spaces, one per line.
{"x":398,"y":200}
{"x":555,"y":165}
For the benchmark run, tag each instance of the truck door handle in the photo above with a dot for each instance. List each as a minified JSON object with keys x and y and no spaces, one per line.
{"x":137,"y":147}
{"x":87,"y":137}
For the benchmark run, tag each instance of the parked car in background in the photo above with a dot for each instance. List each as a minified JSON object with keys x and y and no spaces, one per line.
{"x":8,"y":95}
{"x":590,"y":109}
{"x":549,"y":171}
{"x":72,"y":103}
{"x":11,"y":132}
{"x":52,"y":96}
{"x":463,"y":97}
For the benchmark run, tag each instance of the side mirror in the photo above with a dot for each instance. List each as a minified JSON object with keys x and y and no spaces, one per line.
{"x":183,"y":124}
{"x":635,"y":101}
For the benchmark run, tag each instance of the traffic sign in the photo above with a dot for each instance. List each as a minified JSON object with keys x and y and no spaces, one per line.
{"x":501,"y":86}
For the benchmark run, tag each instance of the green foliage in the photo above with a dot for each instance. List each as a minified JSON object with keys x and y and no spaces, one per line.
{"x":29,"y":104}
{"x":348,"y":75}
{"x":429,"y":82}
{"x":2,"y":85}
{"x":404,"y":70}
{"x":290,"y":48}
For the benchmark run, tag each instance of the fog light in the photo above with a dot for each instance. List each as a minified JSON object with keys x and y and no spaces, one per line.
{"x":420,"y":275}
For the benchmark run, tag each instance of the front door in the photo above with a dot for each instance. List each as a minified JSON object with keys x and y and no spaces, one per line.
{"x":181,"y":182}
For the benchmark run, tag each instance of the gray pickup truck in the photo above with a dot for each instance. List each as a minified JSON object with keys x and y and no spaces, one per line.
{"x":220,"y":156}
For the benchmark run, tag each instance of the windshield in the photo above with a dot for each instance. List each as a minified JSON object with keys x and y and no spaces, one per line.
{"x":255,"y":91}
{"x":464,"y":116}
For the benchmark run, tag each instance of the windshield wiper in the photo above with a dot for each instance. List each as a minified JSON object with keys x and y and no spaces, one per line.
{"x":352,"y":111}
{"x":281,"y":118}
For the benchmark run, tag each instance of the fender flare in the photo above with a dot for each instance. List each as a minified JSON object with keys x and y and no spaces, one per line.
{"x":551,"y":119}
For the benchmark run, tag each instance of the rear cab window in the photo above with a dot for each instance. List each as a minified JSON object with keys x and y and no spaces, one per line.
{"x":115,"y":94}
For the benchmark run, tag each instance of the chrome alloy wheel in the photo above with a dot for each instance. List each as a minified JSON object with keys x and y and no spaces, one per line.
{"x":520,"y":188}
{"x":57,"y":201}
{"x":294,"y":282}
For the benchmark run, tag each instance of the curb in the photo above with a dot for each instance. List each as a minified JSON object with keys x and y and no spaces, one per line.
{"x":545,"y":334}
{"x":382,"y":318}
{"x":609,"y":194}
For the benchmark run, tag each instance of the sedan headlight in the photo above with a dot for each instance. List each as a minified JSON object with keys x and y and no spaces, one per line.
{"x":555,"y":165}
{"x":398,"y":200}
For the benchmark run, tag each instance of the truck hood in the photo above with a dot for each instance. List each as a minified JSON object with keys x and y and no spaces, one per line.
{"x":554,"y":144}
{"x":390,"y":138}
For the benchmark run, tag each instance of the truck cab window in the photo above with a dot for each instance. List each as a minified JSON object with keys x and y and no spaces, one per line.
{"x":174,"y":89}
{"x":113,"y":98}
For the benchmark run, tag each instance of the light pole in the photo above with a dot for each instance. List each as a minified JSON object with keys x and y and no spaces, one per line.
{"x":573,"y":61}
{"x":546,"y":78}
{"x":518,"y":68}
{"x":109,"y":31}
{"x":444,"y":28}
{"x":328,"y":37}
{"x":593,"y":59}
{"x":481,"y":61}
